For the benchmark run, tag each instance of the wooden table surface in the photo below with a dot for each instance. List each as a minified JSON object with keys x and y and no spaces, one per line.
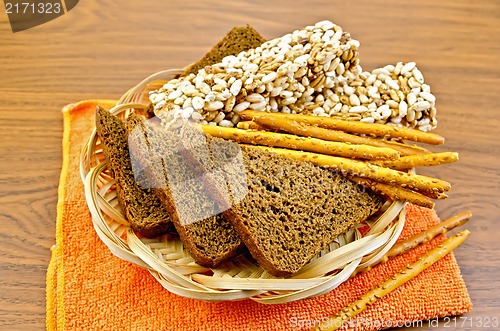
{"x":101,"y":48}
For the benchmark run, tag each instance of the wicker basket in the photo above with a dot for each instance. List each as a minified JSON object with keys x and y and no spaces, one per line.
{"x":241,"y":278}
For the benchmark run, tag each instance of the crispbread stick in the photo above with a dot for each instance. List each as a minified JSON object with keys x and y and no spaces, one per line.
{"x":379,"y":130}
{"x":395,"y":192}
{"x":250,"y":125}
{"x":420,"y":238}
{"x":425,"y":236}
{"x":405,"y":149}
{"x":433,"y":194}
{"x":366,"y":170}
{"x":393,"y":282}
{"x":301,"y":129}
{"x":424,"y":160}
{"x":301,"y":143}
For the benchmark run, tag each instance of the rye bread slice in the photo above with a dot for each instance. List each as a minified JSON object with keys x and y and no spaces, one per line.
{"x":238,"y":39}
{"x":293,"y":209}
{"x":141,"y":206}
{"x":206,"y":234}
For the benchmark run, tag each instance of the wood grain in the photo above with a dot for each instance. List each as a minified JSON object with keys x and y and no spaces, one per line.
{"x":100,"y":49}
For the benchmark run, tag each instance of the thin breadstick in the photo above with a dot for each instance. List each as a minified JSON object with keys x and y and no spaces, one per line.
{"x":379,"y":130}
{"x":395,"y":192}
{"x":432,"y":194}
{"x":424,"y":160}
{"x":404,"y":148}
{"x":366,"y":170}
{"x":425,"y":236}
{"x":301,"y":143}
{"x":250,"y":125}
{"x":301,"y":129}
{"x":421,"y":238}
{"x":390,"y":284}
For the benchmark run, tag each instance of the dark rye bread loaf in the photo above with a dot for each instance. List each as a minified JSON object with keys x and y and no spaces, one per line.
{"x":293,"y":209}
{"x":141,"y":206}
{"x":206,"y":234}
{"x":238,"y":39}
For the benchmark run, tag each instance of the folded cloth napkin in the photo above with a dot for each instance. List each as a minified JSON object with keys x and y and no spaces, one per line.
{"x":88,"y":288}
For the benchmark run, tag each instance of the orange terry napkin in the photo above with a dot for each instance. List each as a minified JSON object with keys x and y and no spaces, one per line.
{"x":88,"y":288}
